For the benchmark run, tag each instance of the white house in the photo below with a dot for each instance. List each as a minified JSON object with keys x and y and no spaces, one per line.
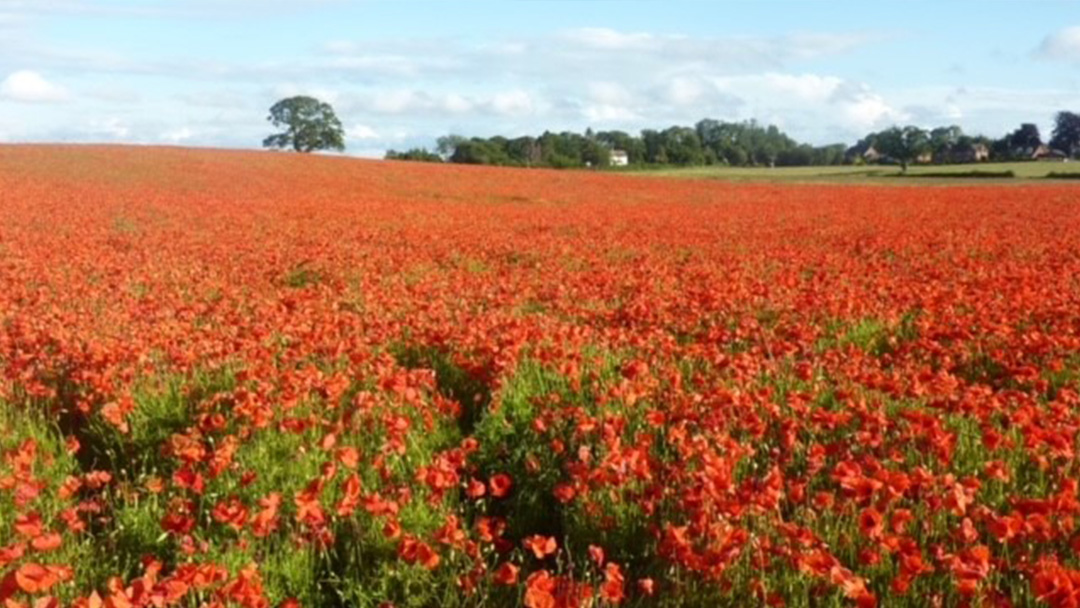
{"x":619,"y":158}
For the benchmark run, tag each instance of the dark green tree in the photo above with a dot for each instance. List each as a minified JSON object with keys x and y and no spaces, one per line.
{"x":1024,"y":141}
{"x":944,"y":140}
{"x":524,"y":151}
{"x":414,"y":154}
{"x":682,"y":146}
{"x":479,"y":151}
{"x":309,"y":125}
{"x":653,"y":141}
{"x":1066,"y":135}
{"x":595,"y":154}
{"x":903,"y":144}
{"x":447,"y":144}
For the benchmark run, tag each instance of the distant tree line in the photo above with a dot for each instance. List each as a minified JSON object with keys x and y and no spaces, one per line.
{"x":709,"y":142}
{"x":750,"y":144}
{"x":907,"y":145}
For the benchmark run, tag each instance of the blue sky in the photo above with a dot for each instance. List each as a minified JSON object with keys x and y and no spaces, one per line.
{"x":400,"y":73}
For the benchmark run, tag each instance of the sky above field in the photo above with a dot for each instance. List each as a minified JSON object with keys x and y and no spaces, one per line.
{"x":401,"y":73}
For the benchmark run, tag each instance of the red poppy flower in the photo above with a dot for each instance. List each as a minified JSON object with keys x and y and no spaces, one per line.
{"x":507,"y":574}
{"x":500,"y":485}
{"x":541,"y":546}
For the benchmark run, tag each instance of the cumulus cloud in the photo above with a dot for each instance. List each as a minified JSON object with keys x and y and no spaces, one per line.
{"x":811,"y":104}
{"x":512,"y":103}
{"x":174,"y":136}
{"x":611,"y":40}
{"x":109,"y":128}
{"x":30,"y":87}
{"x":361,"y":132}
{"x":1063,"y":45}
{"x":331,"y":96}
{"x":609,"y":102}
{"x":734,"y":51}
{"x":867,"y":110}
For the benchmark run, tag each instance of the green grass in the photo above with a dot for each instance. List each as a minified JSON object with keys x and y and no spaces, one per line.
{"x":988,"y":172}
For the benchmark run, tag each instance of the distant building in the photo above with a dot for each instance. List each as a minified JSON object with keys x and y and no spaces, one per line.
{"x":862,"y":152}
{"x":619,"y":158}
{"x":975,"y":153}
{"x":1051,"y":155}
{"x":978,"y":153}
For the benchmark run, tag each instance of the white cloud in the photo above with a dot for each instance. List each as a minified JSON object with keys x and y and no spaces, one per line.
{"x":414,"y":102}
{"x":610,"y":102}
{"x":608,"y":93}
{"x":109,"y":128}
{"x":784,"y":87}
{"x":810,"y":100}
{"x":806,"y":87}
{"x":457,"y":104}
{"x":330,"y":96}
{"x":686,"y":91}
{"x":1063,"y":45}
{"x":513,"y":103}
{"x":399,"y":101}
{"x":174,"y":136}
{"x":30,"y":87}
{"x":361,"y":132}
{"x":868,"y":111}
{"x":607,"y":113}
{"x":366,"y":152}
{"x":734,"y":51}
{"x":611,"y":40}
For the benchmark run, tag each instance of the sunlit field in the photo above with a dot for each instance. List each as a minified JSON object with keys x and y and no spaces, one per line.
{"x":257,"y":379}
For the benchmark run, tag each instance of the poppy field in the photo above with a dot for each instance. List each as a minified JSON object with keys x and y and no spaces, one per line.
{"x":254,"y":379}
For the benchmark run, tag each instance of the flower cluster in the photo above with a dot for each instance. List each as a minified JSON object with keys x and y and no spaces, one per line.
{"x":239,"y":379}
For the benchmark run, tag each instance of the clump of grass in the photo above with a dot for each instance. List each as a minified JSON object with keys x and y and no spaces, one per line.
{"x":301,"y":276}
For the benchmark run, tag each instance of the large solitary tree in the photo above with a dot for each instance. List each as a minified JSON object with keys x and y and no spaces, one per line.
{"x":903,"y":144}
{"x":309,"y":125}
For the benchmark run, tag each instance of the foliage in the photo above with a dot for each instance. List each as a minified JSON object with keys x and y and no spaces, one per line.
{"x":414,"y":154}
{"x":708,"y":142}
{"x":1066,"y":136}
{"x":309,"y":125}
{"x":1023,"y":142}
{"x":903,"y":144}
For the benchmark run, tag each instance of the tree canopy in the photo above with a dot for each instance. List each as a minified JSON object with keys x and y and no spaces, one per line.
{"x":1066,"y":135}
{"x":309,"y":125}
{"x":903,"y":144}
{"x":709,"y":142}
{"x":748,"y":143}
